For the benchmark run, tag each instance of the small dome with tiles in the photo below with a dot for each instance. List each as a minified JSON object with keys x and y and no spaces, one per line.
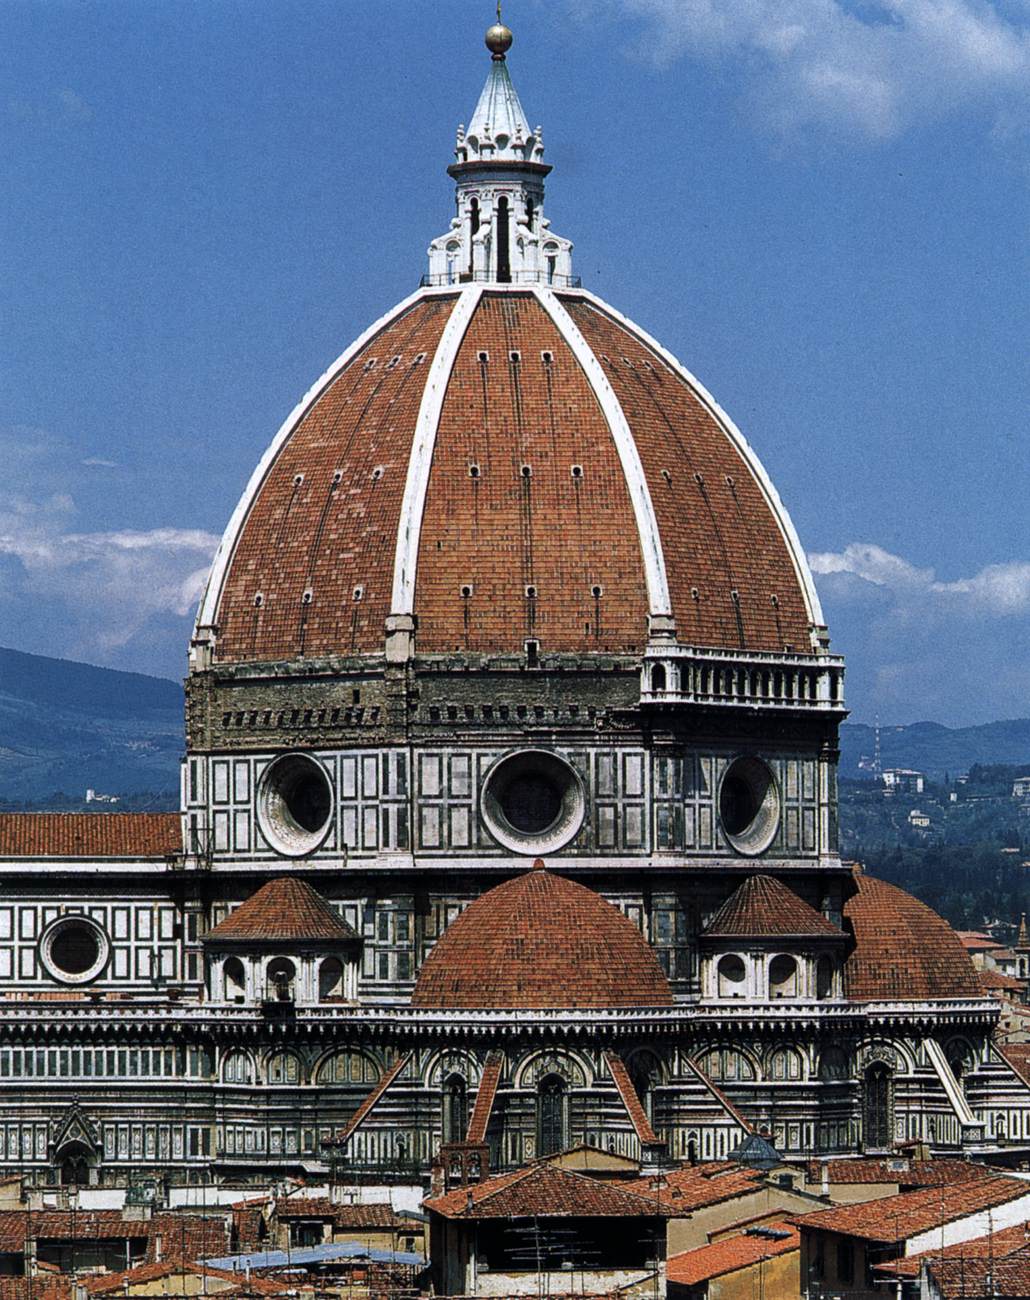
{"x":902,"y":948}
{"x":541,"y":941}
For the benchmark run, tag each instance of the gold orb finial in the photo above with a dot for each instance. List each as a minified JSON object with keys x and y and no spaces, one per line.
{"x":499,"y":37}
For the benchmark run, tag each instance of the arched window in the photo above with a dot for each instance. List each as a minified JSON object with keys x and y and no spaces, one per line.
{"x":723,"y":1064}
{"x":283,"y":1067}
{"x":473,"y":231}
{"x":530,"y":213}
{"x":74,"y":1162}
{"x":833,"y":1064}
{"x":551,"y":1097}
{"x":824,"y":978}
{"x":785,"y":1064}
{"x":783,"y":977}
{"x":503,"y":241}
{"x":658,"y":678}
{"x":280,"y":979}
{"x":330,"y":980}
{"x":876,"y":1107}
{"x":645,"y":1073}
{"x":732,"y":974}
{"x":348,"y":1067}
{"x":455,"y":1109}
{"x":234,"y":980}
{"x":238,"y":1068}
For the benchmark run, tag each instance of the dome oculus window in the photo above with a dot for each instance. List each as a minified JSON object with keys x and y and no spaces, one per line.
{"x":533,"y":802}
{"x":74,"y":949}
{"x":749,"y":805}
{"x":295,"y":805}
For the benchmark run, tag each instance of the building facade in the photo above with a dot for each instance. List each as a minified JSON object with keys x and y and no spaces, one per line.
{"x":507,"y":585}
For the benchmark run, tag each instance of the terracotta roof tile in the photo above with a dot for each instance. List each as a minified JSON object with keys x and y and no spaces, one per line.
{"x":187,"y":1236}
{"x":326,"y":516}
{"x":903,"y":949}
{"x":153,"y":1272}
{"x":693,"y":1267}
{"x":997,"y":1244}
{"x":893,"y":1219}
{"x":1003,"y":1279}
{"x":547,"y":1191}
{"x":996,"y":980}
{"x":487,"y":1091}
{"x":284,"y":910}
{"x":90,"y":835}
{"x":635,"y":1111}
{"x":762,"y":906}
{"x":361,"y":1215}
{"x":541,"y":941}
{"x":690,"y":1188}
{"x":905,"y":1173}
{"x":1017,"y":1057}
{"x":67,"y":1225}
{"x":718,"y":532}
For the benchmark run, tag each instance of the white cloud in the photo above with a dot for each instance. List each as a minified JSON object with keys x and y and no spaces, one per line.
{"x":874,"y":65}
{"x":85,"y":593}
{"x":999,"y":589}
{"x":919,"y":646}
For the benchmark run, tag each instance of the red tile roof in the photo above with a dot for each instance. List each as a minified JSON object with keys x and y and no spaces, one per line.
{"x":188,"y":1236}
{"x":285,"y":910}
{"x":893,"y":1219}
{"x":153,"y":1272}
{"x":997,"y":1244}
{"x":330,"y":507}
{"x":361,"y":1215}
{"x":695,"y":1186}
{"x":764,"y":906}
{"x":997,"y":981}
{"x":718,"y":534}
{"x":541,"y":941}
{"x":546,"y":1191}
{"x":1004,"y":1279}
{"x":903,"y":949}
{"x":67,"y":1225}
{"x":693,"y":1267}
{"x":905,"y":1173}
{"x":90,"y":835}
{"x":480,"y":1119}
{"x":1017,"y":1057}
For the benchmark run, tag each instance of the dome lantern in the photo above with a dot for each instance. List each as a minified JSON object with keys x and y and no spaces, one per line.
{"x":500,"y":233}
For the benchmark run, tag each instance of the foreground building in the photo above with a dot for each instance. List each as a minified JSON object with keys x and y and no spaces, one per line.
{"x":507,"y":585}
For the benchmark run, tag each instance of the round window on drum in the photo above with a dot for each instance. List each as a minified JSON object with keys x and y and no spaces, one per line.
{"x":295,"y":804}
{"x":749,"y":805}
{"x":74,"y":949}
{"x":533,"y":802}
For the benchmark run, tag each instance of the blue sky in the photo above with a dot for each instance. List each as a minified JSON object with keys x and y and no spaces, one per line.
{"x":819,"y":205}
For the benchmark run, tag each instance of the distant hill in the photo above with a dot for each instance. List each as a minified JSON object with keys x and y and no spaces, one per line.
{"x":68,"y":727}
{"x":928,"y":747}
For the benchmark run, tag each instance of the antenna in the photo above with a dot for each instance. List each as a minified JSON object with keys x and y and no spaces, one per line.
{"x":498,"y":10}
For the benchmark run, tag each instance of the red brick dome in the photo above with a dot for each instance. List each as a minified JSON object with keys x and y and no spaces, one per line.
{"x":541,"y":941}
{"x":903,"y":949}
{"x":502,"y":464}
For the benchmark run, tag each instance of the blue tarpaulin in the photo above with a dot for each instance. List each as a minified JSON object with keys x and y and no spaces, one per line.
{"x":324,"y":1254}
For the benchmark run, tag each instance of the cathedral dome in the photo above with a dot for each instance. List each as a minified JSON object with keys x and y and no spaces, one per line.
{"x":540,"y":941}
{"x":502,"y":464}
{"x":504,"y":458}
{"x":903,"y":949}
